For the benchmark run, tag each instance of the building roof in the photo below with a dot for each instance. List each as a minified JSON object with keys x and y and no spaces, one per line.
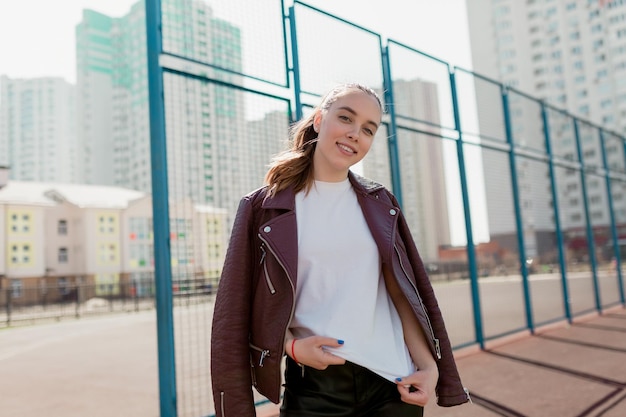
{"x":81,"y":195}
{"x":209,"y":209}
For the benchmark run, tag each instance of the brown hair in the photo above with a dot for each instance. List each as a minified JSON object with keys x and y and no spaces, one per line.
{"x":294,"y":166}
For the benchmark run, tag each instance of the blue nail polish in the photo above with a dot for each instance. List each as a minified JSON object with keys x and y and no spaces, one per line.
{"x":398,"y":379}
{"x":340,"y":342}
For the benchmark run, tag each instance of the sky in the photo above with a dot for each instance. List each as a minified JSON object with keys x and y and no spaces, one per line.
{"x":37,"y":36}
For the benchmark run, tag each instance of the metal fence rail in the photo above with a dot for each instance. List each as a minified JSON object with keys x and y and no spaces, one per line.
{"x":54,"y":303}
{"x":502,"y":190}
{"x":525,"y":188}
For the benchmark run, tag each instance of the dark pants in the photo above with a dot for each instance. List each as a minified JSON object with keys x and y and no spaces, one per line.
{"x":341,"y":391}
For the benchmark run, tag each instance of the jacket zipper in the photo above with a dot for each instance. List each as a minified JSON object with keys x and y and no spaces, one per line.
{"x":252,"y":372}
{"x":468,"y":395}
{"x":267,"y":275}
{"x":264,"y":354}
{"x":293,"y":291}
{"x":222,"y":403}
{"x":435,"y":341}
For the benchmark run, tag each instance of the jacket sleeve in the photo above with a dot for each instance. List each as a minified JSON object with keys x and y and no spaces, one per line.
{"x":230,"y":357}
{"x":450,"y":390}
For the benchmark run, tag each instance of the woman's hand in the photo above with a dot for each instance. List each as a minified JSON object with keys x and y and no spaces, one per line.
{"x":310,"y":351}
{"x":419,"y":387}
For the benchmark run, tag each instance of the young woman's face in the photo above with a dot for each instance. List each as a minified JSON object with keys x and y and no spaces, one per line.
{"x":345,"y":134}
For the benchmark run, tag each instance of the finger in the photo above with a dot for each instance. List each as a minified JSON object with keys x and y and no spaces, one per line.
{"x":328,"y":341}
{"x":413,"y":397}
{"x":331,"y":359}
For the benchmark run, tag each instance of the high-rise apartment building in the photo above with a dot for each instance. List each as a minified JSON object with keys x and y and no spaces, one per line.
{"x":94,"y":77}
{"x":267,"y":137}
{"x":572,"y":54}
{"x":422,"y":172}
{"x":37,"y":129}
{"x":205,"y":123}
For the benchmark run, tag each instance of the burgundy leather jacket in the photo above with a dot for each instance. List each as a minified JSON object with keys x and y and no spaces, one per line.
{"x":255,"y":299}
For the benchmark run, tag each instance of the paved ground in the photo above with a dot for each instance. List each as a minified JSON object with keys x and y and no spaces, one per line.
{"x":93,"y":367}
{"x":563,"y":371}
{"x":577,"y":370}
{"x":107,"y":366}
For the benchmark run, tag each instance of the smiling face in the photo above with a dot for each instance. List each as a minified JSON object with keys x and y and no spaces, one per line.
{"x":345,"y":134}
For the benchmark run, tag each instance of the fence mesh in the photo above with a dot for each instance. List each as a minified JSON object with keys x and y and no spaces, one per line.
{"x":544,"y":192}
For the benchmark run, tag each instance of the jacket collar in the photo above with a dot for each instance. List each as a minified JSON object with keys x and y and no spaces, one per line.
{"x":362,"y":184}
{"x":285,"y":200}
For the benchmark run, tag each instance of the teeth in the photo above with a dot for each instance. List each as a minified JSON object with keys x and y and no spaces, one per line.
{"x":345,"y":148}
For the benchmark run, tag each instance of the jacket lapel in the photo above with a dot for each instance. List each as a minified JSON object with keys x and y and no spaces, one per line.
{"x":380,"y":214}
{"x":281,"y":231}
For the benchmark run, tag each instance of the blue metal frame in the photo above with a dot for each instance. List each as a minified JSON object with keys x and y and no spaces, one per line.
{"x":294,"y":94}
{"x":295,"y":62}
{"x":588,"y":226}
{"x":392,"y":138}
{"x":614,"y":234}
{"x":161,"y":217}
{"x":471,"y":250}
{"x":445,"y":67}
{"x":285,"y":44}
{"x":519,"y":224}
{"x":557,"y":222}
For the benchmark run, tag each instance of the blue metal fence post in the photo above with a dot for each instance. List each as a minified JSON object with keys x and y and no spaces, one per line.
{"x":392,"y":139}
{"x":519,"y":223}
{"x":555,"y":206}
{"x":471,"y":250}
{"x":160,"y":210}
{"x":295,"y":69}
{"x":614,"y":234}
{"x":591,"y":246}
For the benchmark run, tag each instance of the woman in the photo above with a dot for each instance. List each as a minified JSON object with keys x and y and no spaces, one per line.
{"x":321,"y":267}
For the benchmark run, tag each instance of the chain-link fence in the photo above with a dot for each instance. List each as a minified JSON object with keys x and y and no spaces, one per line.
{"x":504,"y":193}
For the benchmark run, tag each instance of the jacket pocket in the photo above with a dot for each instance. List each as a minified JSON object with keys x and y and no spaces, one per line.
{"x":258,"y":355}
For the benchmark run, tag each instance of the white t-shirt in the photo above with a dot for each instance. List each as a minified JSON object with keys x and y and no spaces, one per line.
{"x":340,"y":291}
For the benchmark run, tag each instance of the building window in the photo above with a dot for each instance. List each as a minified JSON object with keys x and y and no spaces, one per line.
{"x":20,"y":254}
{"x":107,"y":224}
{"x":62,"y":227}
{"x":107,"y":254}
{"x":62,"y":255}
{"x":20,"y":223}
{"x":62,"y":286}
{"x":608,"y":119}
{"x":16,"y":288}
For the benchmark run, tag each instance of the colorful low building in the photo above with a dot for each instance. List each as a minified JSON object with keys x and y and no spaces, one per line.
{"x":59,"y":237}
